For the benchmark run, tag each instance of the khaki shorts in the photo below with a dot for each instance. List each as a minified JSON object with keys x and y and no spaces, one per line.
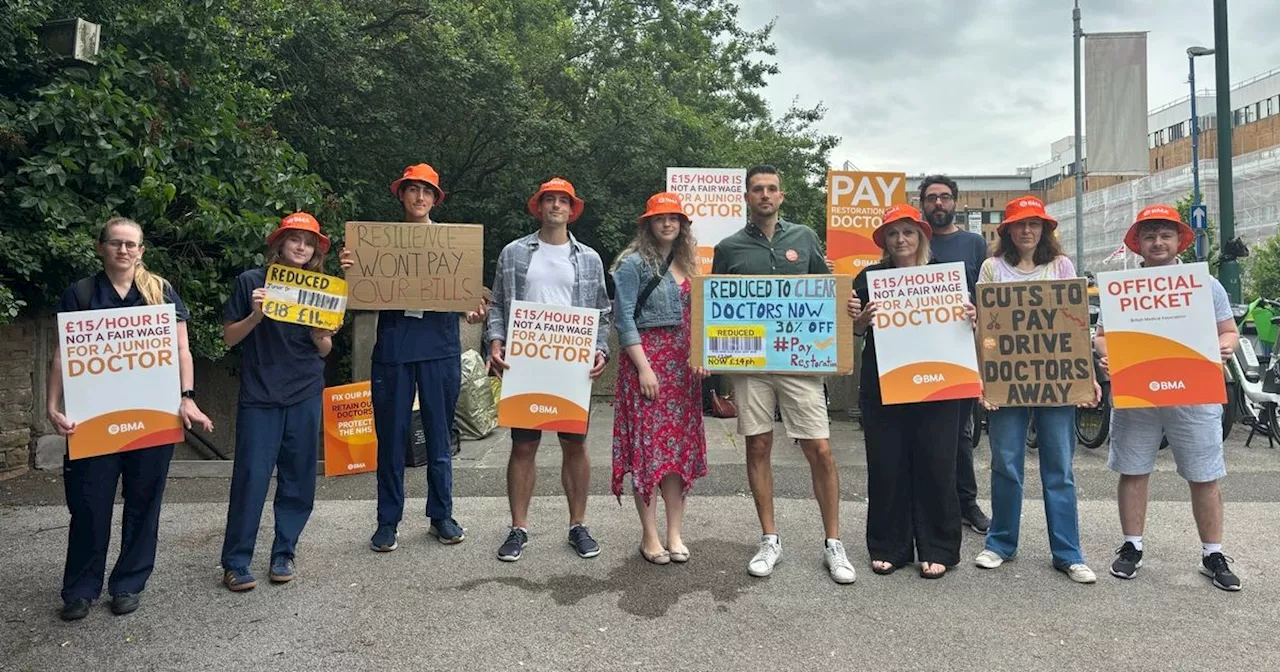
{"x":799,"y":398}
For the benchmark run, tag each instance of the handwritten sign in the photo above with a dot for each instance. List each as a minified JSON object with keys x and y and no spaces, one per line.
{"x":793,"y":324}
{"x":120,"y":378}
{"x":1035,"y":346}
{"x":715,"y":201}
{"x":350,"y":443}
{"x":1162,"y":336}
{"x":403,"y":266}
{"x":924,"y":342}
{"x":304,"y":297}
{"x":855,"y":202}
{"x":551,"y":350}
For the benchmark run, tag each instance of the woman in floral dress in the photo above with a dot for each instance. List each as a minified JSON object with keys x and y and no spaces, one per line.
{"x":657,"y":431}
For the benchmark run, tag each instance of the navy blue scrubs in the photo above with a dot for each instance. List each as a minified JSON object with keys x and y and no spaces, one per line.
{"x":277,"y":428}
{"x":423,"y":353}
{"x":91,"y":483}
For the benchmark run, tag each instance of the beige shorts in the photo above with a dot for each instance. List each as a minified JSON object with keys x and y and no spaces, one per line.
{"x":799,"y":398}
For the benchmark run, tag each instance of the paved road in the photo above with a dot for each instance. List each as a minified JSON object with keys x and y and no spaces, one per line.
{"x":430,"y":607}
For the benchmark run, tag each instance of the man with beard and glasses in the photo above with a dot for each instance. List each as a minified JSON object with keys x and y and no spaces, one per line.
{"x":950,"y":243}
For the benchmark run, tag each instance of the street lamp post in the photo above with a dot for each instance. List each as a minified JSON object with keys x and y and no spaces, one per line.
{"x":1192,"y":52}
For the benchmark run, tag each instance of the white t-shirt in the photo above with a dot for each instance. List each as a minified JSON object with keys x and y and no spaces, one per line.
{"x":550,"y":279}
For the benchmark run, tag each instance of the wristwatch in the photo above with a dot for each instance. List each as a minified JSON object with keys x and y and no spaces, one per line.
{"x":189,"y":394}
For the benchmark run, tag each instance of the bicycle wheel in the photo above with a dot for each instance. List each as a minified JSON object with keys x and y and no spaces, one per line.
{"x":1271,"y":417}
{"x":1093,"y":425}
{"x":1032,"y":441}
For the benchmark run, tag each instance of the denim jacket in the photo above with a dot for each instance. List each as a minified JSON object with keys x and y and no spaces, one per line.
{"x":508,"y":285}
{"x":663,"y":308}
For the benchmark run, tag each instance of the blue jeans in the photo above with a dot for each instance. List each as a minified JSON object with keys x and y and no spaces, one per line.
{"x":286,"y":439}
{"x":1055,"y":430}
{"x":438,"y":383}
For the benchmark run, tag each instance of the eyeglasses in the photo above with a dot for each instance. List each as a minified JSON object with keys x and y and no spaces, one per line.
{"x":126,"y":244}
{"x":939,"y":198}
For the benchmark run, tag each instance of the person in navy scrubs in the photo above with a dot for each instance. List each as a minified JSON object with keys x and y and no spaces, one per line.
{"x":416,"y":350}
{"x":278,"y":417}
{"x":91,"y":482}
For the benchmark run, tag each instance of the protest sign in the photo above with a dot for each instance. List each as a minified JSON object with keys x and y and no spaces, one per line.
{"x":551,"y":350}
{"x":120,"y":378}
{"x":404,"y":266}
{"x":350,"y":443}
{"x":855,"y":202}
{"x":924,"y":342}
{"x":1162,"y":338}
{"x":304,"y":297}
{"x":715,"y":201}
{"x":793,"y":324}
{"x":1034,"y":343}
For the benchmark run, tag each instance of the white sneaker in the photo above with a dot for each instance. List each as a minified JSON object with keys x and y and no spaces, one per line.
{"x":989,"y":559}
{"x":762,"y":562}
{"x":1080,"y":573}
{"x":838,"y":564}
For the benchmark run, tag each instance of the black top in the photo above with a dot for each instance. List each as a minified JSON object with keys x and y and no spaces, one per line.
{"x":104,"y":296}
{"x":279,"y":363}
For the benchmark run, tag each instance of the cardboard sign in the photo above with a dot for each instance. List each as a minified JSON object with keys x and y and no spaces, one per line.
{"x":304,"y":297}
{"x":793,"y":324}
{"x":924,"y":342}
{"x":404,"y":266}
{"x":715,"y":201}
{"x":350,"y":444}
{"x":1034,"y":343}
{"x":551,"y":350}
{"x":1162,"y":336}
{"x":855,"y":202}
{"x":120,"y":378}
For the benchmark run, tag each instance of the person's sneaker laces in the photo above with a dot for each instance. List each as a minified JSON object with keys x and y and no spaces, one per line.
{"x":838,"y":564}
{"x":988,"y":559}
{"x":977,"y":520}
{"x":281,"y":569}
{"x":511,"y":549}
{"x":1079,"y":572}
{"x":1215,"y":566}
{"x":385,"y":540}
{"x":447,"y":530}
{"x":239,"y":580}
{"x":580,"y":539}
{"x":1128,"y":561}
{"x":768,"y":555}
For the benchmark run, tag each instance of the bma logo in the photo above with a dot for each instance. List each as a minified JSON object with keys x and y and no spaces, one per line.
{"x":125,"y":428}
{"x":355,"y":465}
{"x":919,"y":379}
{"x":539,"y":409}
{"x":1030,"y":203}
{"x":1167,"y":385}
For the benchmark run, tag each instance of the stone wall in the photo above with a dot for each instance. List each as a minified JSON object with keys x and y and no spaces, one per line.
{"x":17,"y":362}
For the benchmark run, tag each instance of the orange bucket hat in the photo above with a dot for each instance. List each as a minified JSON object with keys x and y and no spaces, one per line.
{"x":300,"y":221}
{"x":1160,"y":213}
{"x":897,"y":213}
{"x":420,"y":172}
{"x":664,"y":203}
{"x":1026,"y":207}
{"x":557,"y":185}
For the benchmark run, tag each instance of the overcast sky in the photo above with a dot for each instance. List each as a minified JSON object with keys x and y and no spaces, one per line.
{"x":979,"y":86}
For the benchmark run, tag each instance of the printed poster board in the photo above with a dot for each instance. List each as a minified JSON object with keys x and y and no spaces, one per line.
{"x":1034,"y":343}
{"x":120,"y":378}
{"x":1162,"y":338}
{"x":350,"y":444}
{"x":924,"y":342}
{"x":855,"y":203}
{"x":551,"y":350}
{"x":715,"y":202}
{"x":298,"y":296}
{"x":793,"y":324}
{"x":406,"y":266}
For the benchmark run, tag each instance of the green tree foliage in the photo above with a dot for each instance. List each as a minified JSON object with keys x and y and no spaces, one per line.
{"x":1211,"y":233}
{"x":1262,"y":270}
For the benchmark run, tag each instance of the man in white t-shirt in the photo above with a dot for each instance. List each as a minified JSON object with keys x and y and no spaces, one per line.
{"x":550,"y":267}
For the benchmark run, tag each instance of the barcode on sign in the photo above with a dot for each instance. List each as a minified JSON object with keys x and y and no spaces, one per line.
{"x":317,"y":300}
{"x":735,"y":345}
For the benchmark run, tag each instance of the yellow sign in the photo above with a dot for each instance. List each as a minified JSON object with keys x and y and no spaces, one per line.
{"x":305,"y":297}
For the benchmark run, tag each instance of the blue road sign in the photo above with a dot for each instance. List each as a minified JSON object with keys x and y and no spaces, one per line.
{"x":1199,"y":217}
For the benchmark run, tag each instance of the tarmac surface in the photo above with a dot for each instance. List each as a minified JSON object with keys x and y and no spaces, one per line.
{"x":428,"y":606}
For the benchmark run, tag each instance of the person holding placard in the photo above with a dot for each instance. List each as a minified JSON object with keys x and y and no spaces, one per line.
{"x":417,"y":352}
{"x":279,"y":410}
{"x":91,"y":482}
{"x":1195,"y":432}
{"x":551,"y":267}
{"x":657,"y":428}
{"x":769,"y":245}
{"x":1027,"y":250}
{"x":913,"y":512}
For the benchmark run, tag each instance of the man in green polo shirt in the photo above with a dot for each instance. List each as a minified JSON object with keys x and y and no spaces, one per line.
{"x":768,"y":245}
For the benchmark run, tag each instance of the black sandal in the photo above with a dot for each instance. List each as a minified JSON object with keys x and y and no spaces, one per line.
{"x":933,"y":575}
{"x":883,"y":571}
